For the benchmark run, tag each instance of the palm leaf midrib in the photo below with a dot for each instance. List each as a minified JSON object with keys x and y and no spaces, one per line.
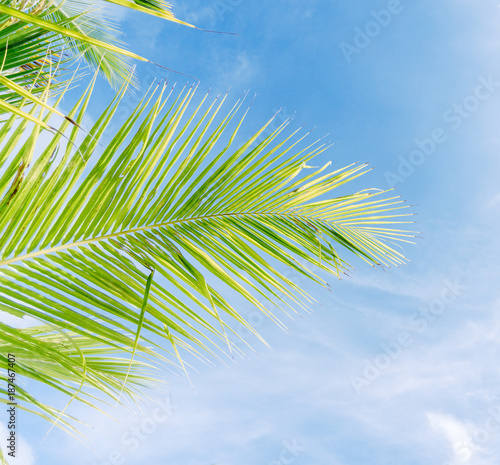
{"x":59,"y":248}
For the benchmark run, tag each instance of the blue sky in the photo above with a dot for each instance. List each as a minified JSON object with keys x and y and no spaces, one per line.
{"x":393,"y":367}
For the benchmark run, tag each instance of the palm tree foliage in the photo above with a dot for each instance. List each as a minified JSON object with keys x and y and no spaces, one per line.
{"x":140,"y":243}
{"x":134,"y":247}
{"x":39,"y":38}
{"x":68,"y":363}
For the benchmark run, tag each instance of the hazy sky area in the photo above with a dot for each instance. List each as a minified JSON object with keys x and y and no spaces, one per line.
{"x":396,"y":366}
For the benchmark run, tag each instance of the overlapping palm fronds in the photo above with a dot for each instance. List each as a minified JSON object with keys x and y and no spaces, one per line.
{"x":80,"y":27}
{"x":39,"y":38}
{"x":145,"y":246}
{"x":74,"y":365}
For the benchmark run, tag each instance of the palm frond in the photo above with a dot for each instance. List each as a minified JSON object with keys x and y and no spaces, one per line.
{"x":73,"y":365}
{"x":60,"y":27}
{"x":93,"y":22}
{"x":82,"y":229}
{"x":86,"y":29}
{"x":39,"y":37}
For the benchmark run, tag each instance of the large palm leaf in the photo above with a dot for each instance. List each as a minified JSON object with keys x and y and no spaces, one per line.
{"x":143,"y":241}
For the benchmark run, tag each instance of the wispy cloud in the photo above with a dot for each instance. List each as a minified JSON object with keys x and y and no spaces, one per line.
{"x":24,"y":454}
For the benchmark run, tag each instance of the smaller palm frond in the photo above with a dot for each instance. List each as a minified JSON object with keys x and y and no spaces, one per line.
{"x":39,"y":41}
{"x":32,"y":32}
{"x":153,"y":243}
{"x":75,"y":28}
{"x":96,"y":24}
{"x":75,"y":366}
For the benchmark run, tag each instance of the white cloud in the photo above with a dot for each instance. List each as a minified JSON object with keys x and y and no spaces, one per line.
{"x":454,"y":431}
{"x":24,"y":451}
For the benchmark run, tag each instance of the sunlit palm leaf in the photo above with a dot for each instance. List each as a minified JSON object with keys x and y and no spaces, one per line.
{"x":82,"y":229}
{"x":76,"y":366}
{"x":39,"y":37}
{"x":85,"y":28}
{"x":63,"y":28}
